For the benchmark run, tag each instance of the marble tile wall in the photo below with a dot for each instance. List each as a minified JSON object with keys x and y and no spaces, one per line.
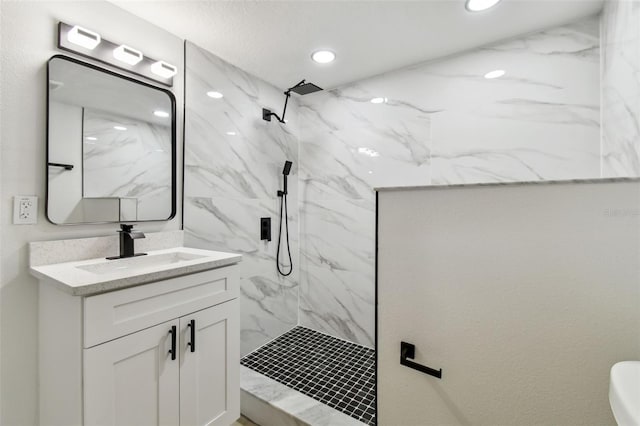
{"x":233,"y":170}
{"x":442,"y":123}
{"x":621,"y":88}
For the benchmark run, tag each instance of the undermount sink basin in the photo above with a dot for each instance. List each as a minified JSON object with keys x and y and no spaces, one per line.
{"x":93,"y":276}
{"x":624,"y":393}
{"x":139,"y":262}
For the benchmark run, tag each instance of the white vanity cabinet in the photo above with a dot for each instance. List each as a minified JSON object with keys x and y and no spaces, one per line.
{"x":163,"y":353}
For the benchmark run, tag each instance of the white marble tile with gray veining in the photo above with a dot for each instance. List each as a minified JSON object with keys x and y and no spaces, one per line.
{"x":231,"y":151}
{"x":621,"y":88}
{"x":233,"y":170}
{"x":337,"y":268}
{"x":267,"y":309}
{"x":439,"y":122}
{"x":218,"y":222}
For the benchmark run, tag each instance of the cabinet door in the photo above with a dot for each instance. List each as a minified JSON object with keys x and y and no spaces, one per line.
{"x":133,"y":380}
{"x":210,"y":362}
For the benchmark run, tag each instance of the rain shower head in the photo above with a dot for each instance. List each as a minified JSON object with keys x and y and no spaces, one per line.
{"x":305,"y":88}
{"x":301,"y":88}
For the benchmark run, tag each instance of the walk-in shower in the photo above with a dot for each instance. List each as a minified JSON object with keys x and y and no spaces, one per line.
{"x":335,"y":372}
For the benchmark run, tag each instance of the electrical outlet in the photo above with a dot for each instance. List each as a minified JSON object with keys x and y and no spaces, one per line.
{"x":25,"y":210}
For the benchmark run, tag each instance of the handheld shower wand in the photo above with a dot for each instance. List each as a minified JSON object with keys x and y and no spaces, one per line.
{"x":283,"y":203}
{"x":285,"y":172}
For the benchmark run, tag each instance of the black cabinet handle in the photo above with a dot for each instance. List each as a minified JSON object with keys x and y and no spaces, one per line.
{"x":407,"y":350}
{"x":192,"y":329}
{"x":173,"y":334}
{"x":64,"y":166}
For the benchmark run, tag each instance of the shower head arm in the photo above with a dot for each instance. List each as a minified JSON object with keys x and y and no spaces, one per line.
{"x":266,"y":114}
{"x":286,"y":101}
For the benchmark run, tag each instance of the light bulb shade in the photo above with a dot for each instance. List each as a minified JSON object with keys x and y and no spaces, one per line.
{"x":127,"y":54}
{"x":83,"y":37}
{"x":163,"y":69}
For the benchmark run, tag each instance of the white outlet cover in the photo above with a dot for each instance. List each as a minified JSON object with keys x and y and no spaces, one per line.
{"x":25,"y":210}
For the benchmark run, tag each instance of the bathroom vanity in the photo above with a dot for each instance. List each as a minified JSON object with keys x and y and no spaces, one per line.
{"x":146,"y":340}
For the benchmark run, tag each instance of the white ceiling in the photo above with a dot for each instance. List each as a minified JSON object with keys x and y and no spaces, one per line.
{"x":274,"y":39}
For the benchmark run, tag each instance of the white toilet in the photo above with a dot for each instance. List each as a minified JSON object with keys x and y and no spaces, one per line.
{"x":624,"y":393}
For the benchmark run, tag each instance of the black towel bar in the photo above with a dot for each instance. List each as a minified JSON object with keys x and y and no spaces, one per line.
{"x":407,"y":350}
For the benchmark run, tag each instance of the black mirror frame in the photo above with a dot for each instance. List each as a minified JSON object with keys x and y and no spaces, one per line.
{"x":172,"y":98}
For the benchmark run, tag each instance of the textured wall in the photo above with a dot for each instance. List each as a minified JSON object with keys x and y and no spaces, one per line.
{"x":231,"y":182}
{"x":524,"y":295}
{"x":621,"y":88}
{"x":443,"y":123}
{"x":23,"y":110}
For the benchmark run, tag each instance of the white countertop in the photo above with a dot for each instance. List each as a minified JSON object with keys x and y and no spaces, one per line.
{"x":101,"y":275}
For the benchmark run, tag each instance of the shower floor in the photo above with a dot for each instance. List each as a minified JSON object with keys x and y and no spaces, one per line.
{"x":335,"y":372}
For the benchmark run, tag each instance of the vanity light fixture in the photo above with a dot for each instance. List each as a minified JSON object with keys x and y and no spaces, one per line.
{"x":163,"y":69}
{"x":323,"y":56}
{"x":480,"y":5}
{"x":215,"y":95}
{"x":83,"y":37}
{"x":121,"y":128}
{"x":127,"y":54}
{"x":379,"y":100}
{"x":160,"y":113}
{"x":88,"y":43}
{"x":494,"y":74}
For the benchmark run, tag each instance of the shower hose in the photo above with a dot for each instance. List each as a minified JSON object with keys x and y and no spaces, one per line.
{"x":283,"y":204}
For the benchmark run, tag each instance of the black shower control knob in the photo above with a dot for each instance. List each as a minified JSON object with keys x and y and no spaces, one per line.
{"x":265,"y":228}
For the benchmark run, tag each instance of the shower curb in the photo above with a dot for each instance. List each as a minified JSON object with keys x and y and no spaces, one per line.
{"x":269,"y":403}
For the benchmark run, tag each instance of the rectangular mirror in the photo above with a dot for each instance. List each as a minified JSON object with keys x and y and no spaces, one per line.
{"x":111,"y":147}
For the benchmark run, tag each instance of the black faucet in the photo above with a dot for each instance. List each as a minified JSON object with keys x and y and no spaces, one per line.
{"x":127,"y":235}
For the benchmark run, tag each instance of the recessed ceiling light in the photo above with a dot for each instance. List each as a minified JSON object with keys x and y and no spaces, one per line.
{"x":480,"y":5}
{"x":231,"y":133}
{"x":215,"y":95}
{"x":323,"y":56}
{"x":159,"y":113}
{"x":119,"y":127}
{"x":379,"y":100}
{"x":494,"y":74}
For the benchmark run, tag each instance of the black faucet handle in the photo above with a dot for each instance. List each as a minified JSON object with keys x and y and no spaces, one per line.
{"x":126,"y":228}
